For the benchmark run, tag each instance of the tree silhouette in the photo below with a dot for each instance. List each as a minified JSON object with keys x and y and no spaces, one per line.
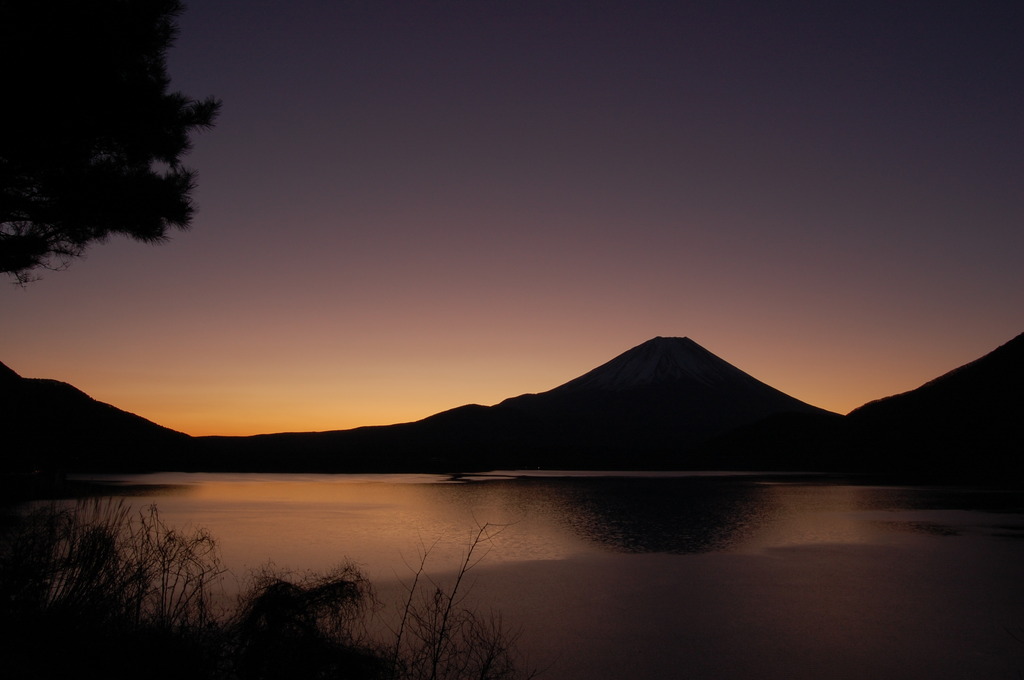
{"x":93,"y":138}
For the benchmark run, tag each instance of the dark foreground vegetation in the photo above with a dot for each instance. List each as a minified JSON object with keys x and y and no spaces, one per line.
{"x":101,"y":589}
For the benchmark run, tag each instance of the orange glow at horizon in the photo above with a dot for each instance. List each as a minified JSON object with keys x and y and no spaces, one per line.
{"x":303,"y":398}
{"x":402,"y":213}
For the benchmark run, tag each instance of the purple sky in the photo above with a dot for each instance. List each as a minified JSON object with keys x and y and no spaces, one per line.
{"x":408,"y":206}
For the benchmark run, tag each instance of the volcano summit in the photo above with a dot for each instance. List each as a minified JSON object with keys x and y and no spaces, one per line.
{"x":658,"y":399}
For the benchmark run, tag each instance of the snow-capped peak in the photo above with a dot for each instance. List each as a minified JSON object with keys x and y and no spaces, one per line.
{"x":659,"y":360}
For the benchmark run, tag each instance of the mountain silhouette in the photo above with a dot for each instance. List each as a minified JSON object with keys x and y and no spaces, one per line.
{"x":970,"y":420}
{"x":643,"y":409}
{"x":665,"y":404}
{"x":667,"y":361}
{"x":50,"y":425}
{"x":967,"y":424}
{"x":649,"y":405}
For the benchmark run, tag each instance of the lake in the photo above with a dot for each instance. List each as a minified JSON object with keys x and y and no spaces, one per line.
{"x":631,"y":575}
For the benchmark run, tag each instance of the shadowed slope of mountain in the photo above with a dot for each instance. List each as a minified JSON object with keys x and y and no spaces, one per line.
{"x":47,"y":424}
{"x":969,"y":420}
{"x":966,"y":424}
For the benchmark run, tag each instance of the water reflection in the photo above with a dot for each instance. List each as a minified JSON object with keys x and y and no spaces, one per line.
{"x":681,"y":515}
{"x":792,"y":578}
{"x":665,"y":515}
{"x":313,"y":519}
{"x":929,"y":528}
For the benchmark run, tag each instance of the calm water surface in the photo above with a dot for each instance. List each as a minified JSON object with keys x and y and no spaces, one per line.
{"x":660,"y":576}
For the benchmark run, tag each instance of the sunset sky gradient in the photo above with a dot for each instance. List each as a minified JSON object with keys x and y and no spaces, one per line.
{"x":409,"y":206}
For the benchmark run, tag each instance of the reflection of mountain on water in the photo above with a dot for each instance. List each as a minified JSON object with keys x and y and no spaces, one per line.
{"x":705,"y":514}
{"x":652,"y":514}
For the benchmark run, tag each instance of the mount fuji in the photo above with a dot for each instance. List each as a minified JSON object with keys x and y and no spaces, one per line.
{"x":665,"y":404}
{"x":662,"y":360}
{"x":646,"y":408}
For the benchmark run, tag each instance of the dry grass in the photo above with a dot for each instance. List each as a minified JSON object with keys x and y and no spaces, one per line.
{"x":101,"y":588}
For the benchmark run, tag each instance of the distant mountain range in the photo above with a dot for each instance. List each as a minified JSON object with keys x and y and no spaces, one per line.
{"x":643,"y":409}
{"x":665,"y":404}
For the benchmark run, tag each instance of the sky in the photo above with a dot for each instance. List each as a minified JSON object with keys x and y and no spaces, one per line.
{"x":409,"y":206}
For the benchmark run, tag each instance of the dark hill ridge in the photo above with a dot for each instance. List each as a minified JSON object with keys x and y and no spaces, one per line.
{"x":971,"y":417}
{"x":993,"y":384}
{"x":7,"y":376}
{"x":967,"y":424}
{"x":665,"y":404}
{"x":48,"y":424}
